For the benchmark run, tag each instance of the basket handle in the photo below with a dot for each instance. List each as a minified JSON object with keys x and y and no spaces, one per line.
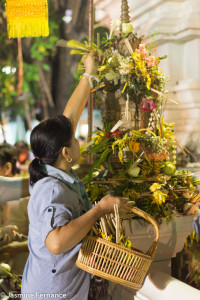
{"x":146,"y":216}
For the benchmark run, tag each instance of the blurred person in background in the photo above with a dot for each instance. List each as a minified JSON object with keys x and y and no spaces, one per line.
{"x":13,"y":188}
{"x":13,"y":217}
{"x":24,"y":156}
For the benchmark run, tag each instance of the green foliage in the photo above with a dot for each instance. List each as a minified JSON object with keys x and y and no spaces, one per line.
{"x":43,"y":47}
{"x":7,"y":85}
{"x":36,"y":52}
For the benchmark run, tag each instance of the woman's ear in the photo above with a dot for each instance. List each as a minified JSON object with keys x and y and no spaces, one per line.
{"x":8,"y":169}
{"x":64,"y":152}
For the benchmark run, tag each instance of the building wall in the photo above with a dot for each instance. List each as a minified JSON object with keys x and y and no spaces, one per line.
{"x":177,"y":23}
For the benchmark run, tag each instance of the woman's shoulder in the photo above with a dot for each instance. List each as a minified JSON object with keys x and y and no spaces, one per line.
{"x":48,"y":183}
{"x":48,"y":190}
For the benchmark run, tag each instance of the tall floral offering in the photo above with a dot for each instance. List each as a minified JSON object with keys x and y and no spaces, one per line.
{"x":135,"y":152}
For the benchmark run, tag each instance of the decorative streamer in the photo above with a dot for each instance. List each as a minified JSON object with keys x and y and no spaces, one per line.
{"x":27,"y":18}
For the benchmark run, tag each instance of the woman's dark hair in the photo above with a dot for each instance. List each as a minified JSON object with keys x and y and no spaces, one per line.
{"x":47,"y":140}
{"x":8,"y":153}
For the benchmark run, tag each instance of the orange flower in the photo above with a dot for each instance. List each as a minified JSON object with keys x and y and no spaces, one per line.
{"x":134,"y":146}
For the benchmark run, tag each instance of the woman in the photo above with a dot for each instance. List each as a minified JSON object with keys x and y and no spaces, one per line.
{"x":60,"y":214}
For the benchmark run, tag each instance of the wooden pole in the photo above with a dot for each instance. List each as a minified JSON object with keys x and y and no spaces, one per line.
{"x":90,"y":100}
{"x":19,"y":85}
{"x":20,"y":68}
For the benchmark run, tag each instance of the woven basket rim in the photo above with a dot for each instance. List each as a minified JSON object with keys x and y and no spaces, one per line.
{"x":124,"y":249}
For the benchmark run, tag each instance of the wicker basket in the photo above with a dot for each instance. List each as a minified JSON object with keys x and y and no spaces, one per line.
{"x":114,"y":262}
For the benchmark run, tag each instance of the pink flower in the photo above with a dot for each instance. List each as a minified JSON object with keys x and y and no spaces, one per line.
{"x":145,"y":52}
{"x":147,"y":104}
{"x":142,"y":46}
{"x":151,"y":61}
{"x":142,"y":50}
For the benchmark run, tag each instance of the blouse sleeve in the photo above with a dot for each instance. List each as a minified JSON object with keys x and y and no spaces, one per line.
{"x":54,"y":210}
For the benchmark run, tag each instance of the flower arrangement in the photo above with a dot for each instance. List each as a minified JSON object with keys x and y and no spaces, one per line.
{"x":126,"y":63}
{"x":134,"y":161}
{"x":146,"y":172}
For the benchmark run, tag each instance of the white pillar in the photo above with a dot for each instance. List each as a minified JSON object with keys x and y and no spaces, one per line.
{"x":160,"y":286}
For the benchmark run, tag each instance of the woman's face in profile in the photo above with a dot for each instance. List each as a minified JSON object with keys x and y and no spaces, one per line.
{"x":74,"y":150}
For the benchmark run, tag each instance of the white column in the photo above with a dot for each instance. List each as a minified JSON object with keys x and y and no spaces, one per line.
{"x":160,"y":286}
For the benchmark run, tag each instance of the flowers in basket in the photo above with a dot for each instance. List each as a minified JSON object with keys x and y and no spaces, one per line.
{"x":110,"y":228}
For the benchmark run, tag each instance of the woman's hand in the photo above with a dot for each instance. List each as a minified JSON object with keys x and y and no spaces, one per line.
{"x":90,"y":64}
{"x":107,"y":203}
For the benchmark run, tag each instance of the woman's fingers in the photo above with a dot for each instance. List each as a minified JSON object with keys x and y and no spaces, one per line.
{"x":89,"y":63}
{"x":124,"y":200}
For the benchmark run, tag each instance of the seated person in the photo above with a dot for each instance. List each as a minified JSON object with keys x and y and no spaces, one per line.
{"x":15,"y":251}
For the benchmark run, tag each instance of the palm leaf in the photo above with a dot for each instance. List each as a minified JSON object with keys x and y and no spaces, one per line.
{"x":78,"y":45}
{"x":72,"y":52}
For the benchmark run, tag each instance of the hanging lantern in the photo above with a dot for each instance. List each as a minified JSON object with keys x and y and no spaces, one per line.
{"x":27,"y":18}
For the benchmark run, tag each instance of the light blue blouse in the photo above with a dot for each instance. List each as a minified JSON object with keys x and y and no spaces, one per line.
{"x":54,"y":201}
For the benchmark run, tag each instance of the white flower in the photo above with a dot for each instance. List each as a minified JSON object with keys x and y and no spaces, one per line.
{"x":124,"y":63}
{"x":112,"y":76}
{"x":115,"y":24}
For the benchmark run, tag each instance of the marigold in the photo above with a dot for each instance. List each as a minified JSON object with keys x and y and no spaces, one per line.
{"x":134,"y":146}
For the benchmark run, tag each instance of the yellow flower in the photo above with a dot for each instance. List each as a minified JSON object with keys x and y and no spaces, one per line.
{"x":140,"y":64}
{"x":148,"y":82}
{"x":155,"y":186}
{"x":98,"y":138}
{"x":167,"y":130}
{"x":110,"y":238}
{"x":159,"y":197}
{"x":102,"y":133}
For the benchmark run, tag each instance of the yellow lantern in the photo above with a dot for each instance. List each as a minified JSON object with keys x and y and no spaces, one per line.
{"x":27,"y":18}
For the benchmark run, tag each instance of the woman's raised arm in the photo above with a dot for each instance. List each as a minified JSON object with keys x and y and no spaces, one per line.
{"x":77,"y":101}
